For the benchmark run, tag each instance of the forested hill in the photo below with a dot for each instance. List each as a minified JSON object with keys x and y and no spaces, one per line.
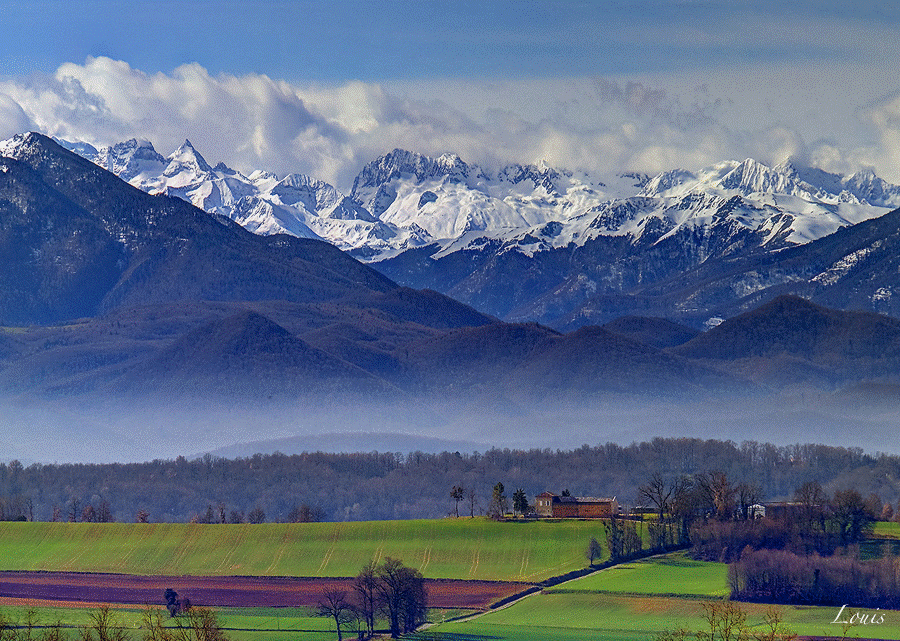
{"x":393,"y":486}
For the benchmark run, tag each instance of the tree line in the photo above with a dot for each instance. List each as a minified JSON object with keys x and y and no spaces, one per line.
{"x":801,"y":551}
{"x":192,"y":624}
{"x":365,"y":486}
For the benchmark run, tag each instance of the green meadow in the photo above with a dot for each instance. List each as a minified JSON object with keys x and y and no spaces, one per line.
{"x":443,"y":548}
{"x":239,"y":624}
{"x":637,"y":601}
{"x":673,"y":574}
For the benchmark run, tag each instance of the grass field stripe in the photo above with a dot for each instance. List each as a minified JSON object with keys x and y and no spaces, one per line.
{"x":227,"y":564}
{"x":476,"y":557}
{"x":334,"y":539}
{"x":522,"y":564}
{"x":426,"y":557}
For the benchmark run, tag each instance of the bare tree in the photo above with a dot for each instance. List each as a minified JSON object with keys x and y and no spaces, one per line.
{"x":73,"y":510}
{"x":104,"y":512}
{"x":365,"y":588}
{"x":850,"y":515}
{"x":719,"y":492}
{"x":198,"y":624}
{"x":103,"y":626}
{"x":658,"y":493}
{"x":473,"y":503}
{"x":812,"y":516}
{"x":334,"y":604}
{"x":747,"y":496}
{"x":773,"y":629}
{"x":89,"y":514}
{"x":725,"y":620}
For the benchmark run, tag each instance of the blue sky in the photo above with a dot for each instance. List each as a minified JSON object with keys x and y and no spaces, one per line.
{"x":376,"y":41}
{"x":322,"y":87}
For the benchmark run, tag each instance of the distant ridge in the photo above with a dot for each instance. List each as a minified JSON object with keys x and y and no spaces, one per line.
{"x":656,"y":332}
{"x":249,"y":353}
{"x":792,"y":337}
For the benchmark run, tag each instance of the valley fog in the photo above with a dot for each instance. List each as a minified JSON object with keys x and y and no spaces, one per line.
{"x":114,"y":429}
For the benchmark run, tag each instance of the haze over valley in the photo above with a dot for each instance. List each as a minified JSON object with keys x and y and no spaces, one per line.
{"x":311,"y":226}
{"x":131,"y":315}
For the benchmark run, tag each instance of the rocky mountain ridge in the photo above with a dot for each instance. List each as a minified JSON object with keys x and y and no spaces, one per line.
{"x":527,"y":243}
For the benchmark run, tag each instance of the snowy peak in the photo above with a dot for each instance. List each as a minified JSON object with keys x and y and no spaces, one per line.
{"x":400,"y":163}
{"x":304,"y":191}
{"x":21,"y":144}
{"x":317,"y":198}
{"x":667,"y":181}
{"x":539,"y":177}
{"x":186,"y":159}
{"x":131,"y":159}
{"x":752,"y":177}
{"x":83,"y":149}
{"x":868,"y":187}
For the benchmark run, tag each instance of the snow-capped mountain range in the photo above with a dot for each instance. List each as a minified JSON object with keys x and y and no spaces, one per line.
{"x":463,"y":230}
{"x":404,"y":199}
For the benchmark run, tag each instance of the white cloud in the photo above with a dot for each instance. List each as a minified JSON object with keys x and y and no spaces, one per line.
{"x":13,"y":119}
{"x":647,"y":124}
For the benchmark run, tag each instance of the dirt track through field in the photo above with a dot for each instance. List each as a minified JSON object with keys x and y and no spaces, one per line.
{"x":237,"y":591}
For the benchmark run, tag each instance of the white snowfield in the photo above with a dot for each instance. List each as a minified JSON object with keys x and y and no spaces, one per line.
{"x":404,"y":200}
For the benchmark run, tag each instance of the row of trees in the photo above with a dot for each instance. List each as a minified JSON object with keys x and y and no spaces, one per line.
{"x":727,"y":621}
{"x":818,"y":521}
{"x":196,"y":624}
{"x":778,"y":576}
{"x":390,"y":590}
{"x":814,"y":523}
{"x":396,"y":486}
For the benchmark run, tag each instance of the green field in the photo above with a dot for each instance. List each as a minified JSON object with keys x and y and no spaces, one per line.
{"x":625,"y":602}
{"x":239,"y":624}
{"x":674,"y":574}
{"x":634,"y":600}
{"x":886,"y":530}
{"x":444,"y":548}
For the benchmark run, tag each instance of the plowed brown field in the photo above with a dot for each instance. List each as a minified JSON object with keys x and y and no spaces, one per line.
{"x":62,"y":588}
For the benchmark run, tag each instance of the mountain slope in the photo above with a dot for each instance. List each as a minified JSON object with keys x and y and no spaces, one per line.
{"x":790,"y":340}
{"x":528,"y":362}
{"x":137,"y":249}
{"x":854,"y":268}
{"x":656,"y":332}
{"x":545,"y":268}
{"x":526,"y":242}
{"x":248,"y":353}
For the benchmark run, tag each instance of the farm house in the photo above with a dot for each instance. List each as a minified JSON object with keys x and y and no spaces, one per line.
{"x":574,"y":507}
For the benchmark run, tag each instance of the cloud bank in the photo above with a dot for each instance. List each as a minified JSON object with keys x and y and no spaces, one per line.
{"x":595,"y":124}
